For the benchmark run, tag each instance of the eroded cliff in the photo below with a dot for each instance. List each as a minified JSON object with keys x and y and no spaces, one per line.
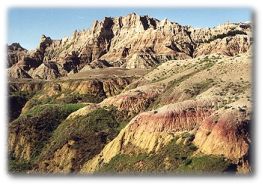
{"x":131,"y":41}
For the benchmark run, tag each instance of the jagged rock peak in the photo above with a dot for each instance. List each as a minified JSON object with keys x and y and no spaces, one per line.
{"x":131,"y":20}
{"x":44,"y":42}
{"x":135,"y":41}
{"x":43,"y":38}
{"x":15,"y":46}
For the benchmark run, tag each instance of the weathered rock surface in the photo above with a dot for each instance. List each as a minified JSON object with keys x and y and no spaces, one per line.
{"x":135,"y":100}
{"x":20,"y":146}
{"x":15,"y":53}
{"x":131,"y":41}
{"x":151,"y":130}
{"x":62,"y":161}
{"x":229,"y":46}
{"x":18,"y":72}
{"x":225,"y":134}
{"x":106,"y":87}
{"x":46,"y":71}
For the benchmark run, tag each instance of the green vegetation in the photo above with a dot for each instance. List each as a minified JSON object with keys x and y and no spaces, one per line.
{"x":205,"y":164}
{"x":68,"y":98}
{"x":78,"y":98}
{"x":37,"y":125}
{"x":128,"y":164}
{"x":167,"y":160}
{"x":169,"y":89}
{"x":16,"y":166}
{"x":223,"y":35}
{"x":168,"y":94}
{"x":174,"y":158}
{"x":23,"y":94}
{"x":235,"y":89}
{"x":90,"y":134}
{"x":63,"y":109}
{"x":198,"y":88}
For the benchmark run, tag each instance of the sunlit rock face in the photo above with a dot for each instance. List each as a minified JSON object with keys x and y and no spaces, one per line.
{"x":226,"y":134}
{"x":131,"y":41}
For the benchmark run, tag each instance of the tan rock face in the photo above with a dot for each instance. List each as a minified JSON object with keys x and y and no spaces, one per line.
{"x":46,"y":71}
{"x":150,"y":131}
{"x":19,"y":146}
{"x":225,"y":135}
{"x":229,"y":46}
{"x":15,"y":53}
{"x":131,"y":41}
{"x":106,"y":87}
{"x":136,"y":100}
{"x":61,"y":162}
{"x":204,"y":90}
{"x":18,"y":72}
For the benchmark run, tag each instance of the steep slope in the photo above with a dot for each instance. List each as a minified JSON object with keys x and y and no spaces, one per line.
{"x":149,"y":131}
{"x":76,"y":140}
{"x":15,"y":53}
{"x":29,"y":133}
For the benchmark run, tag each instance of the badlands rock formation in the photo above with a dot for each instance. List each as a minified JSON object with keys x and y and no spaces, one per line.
{"x":15,"y":53}
{"x":131,"y":41}
{"x":133,"y":94}
{"x":151,"y":130}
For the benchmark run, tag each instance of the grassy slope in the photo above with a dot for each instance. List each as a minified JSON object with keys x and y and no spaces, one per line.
{"x":90,"y":133}
{"x":37,"y":126}
{"x":174,"y":158}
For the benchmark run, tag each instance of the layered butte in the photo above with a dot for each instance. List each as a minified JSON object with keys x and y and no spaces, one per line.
{"x":131,"y":41}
